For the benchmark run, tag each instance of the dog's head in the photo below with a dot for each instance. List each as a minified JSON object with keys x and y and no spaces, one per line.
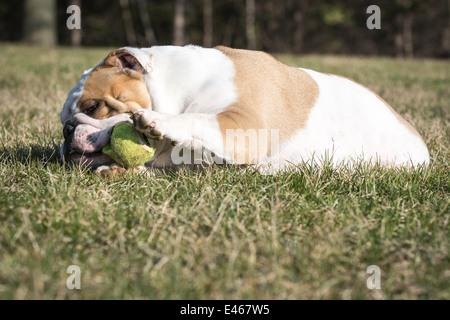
{"x":106,"y":95}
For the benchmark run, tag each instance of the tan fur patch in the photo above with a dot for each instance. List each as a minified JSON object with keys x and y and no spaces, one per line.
{"x":116,"y":91}
{"x":271,"y":95}
{"x":399,"y":117}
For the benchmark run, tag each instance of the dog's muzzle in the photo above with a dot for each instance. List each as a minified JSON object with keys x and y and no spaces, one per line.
{"x":85,"y":137}
{"x":83,"y":142}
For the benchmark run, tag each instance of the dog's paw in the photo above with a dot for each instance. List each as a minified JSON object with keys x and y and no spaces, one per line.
{"x":149,"y":123}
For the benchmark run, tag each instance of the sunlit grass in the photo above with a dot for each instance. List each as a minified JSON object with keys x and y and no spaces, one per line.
{"x":223,"y":232}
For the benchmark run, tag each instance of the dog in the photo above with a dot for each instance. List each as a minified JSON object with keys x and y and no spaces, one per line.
{"x":234,"y":106}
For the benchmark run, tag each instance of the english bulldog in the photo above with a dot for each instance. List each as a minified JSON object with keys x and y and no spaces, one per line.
{"x":232,"y":106}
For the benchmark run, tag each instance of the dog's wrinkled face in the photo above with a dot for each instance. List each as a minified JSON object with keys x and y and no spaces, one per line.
{"x":111,"y":90}
{"x":106,"y":95}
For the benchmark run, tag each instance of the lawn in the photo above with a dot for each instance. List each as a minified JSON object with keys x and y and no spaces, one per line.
{"x":223,"y":233}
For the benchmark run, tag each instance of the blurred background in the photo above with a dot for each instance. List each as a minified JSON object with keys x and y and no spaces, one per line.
{"x":409,"y":28}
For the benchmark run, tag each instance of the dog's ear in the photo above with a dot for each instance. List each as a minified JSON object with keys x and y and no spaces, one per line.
{"x":125,"y":59}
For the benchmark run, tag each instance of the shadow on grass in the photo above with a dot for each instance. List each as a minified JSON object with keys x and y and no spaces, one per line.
{"x":26,"y":154}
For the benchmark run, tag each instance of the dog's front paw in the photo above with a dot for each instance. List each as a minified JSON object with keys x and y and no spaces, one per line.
{"x":149,"y":123}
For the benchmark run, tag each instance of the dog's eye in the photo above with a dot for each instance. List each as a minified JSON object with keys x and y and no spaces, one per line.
{"x":91,"y":109}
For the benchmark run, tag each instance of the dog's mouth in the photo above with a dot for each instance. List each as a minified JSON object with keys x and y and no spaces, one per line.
{"x":91,"y":160}
{"x":83,"y":144}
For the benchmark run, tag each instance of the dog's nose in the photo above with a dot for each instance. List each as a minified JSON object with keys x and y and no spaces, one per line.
{"x":69,"y":128}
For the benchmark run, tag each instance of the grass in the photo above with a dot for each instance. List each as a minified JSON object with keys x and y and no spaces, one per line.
{"x":224,"y":233}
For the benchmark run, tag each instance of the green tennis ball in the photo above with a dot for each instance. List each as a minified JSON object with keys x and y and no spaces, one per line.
{"x":127,"y":147}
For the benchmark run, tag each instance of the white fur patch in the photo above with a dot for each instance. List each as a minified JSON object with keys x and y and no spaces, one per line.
{"x":189,"y":79}
{"x":70,"y":106}
{"x":192,"y":131}
{"x":350,"y":122}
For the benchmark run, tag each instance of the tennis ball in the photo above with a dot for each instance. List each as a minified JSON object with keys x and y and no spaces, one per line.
{"x":127,"y":147}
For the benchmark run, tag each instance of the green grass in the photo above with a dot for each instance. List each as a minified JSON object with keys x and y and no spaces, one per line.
{"x":224,"y":233}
